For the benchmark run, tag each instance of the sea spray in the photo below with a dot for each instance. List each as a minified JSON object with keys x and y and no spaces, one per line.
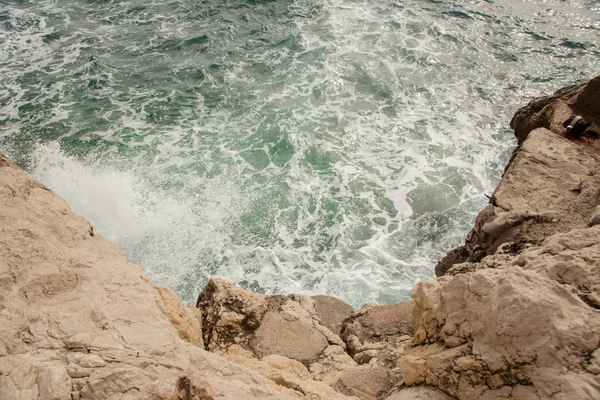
{"x":336,"y":147}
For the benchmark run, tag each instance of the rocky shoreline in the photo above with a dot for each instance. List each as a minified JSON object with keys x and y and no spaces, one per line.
{"x":514,"y":313}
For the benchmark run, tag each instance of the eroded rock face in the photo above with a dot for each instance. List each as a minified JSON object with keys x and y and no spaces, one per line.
{"x":333,"y":362}
{"x":283,"y":325}
{"x":545,"y":112}
{"x":376,"y":324}
{"x":332,"y":312}
{"x":186,"y":319}
{"x":551,"y":184}
{"x":419,"y":393}
{"x":286,"y":372}
{"x":503,"y":327}
{"x":78,"y":321}
{"x":376,"y":336}
{"x":367,"y":383}
{"x":517,"y":314}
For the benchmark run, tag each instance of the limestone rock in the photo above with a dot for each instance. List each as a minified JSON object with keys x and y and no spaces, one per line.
{"x":374,"y":327}
{"x":500,"y":328}
{"x":572,"y":259}
{"x":515,"y":315}
{"x":545,"y":112}
{"x":377,"y":335}
{"x":595,"y":217}
{"x":78,"y":321}
{"x":228,"y":311}
{"x":263,"y":324}
{"x":377,"y":323}
{"x":587,"y":101}
{"x":366,"y":383}
{"x":289,"y":338}
{"x":419,"y":393}
{"x":286,"y":372}
{"x":53,"y":382}
{"x":549,"y":187}
{"x":187,"y":320}
{"x":332,"y":363}
{"x":332,"y":312}
{"x":550,"y":173}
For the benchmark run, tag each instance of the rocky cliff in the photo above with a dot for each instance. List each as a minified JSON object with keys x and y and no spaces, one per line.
{"x":514,"y":313}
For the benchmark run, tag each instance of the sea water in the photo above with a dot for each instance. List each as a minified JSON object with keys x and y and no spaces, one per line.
{"x":332,"y":147}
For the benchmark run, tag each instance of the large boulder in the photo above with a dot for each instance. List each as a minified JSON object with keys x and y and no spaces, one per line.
{"x":263,"y":324}
{"x":291,"y":338}
{"x":377,"y":323}
{"x":366,"y":383}
{"x":332,"y":312}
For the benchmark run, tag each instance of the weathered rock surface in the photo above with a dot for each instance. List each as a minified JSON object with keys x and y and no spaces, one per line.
{"x":283,"y":325}
{"x":551,"y":184}
{"x":332,"y":364}
{"x":367,"y":383}
{"x":186,"y":319}
{"x":504,"y":327}
{"x":517,"y":314}
{"x":78,"y":321}
{"x":285,"y":372}
{"x":373,"y":324}
{"x":332,"y":312}
{"x":378,"y":335}
{"x":419,"y":393}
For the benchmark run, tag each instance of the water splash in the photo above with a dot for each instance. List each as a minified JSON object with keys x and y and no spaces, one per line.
{"x":317,"y":147}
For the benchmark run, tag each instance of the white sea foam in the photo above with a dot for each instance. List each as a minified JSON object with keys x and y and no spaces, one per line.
{"x":172,"y":235}
{"x":397,"y":115}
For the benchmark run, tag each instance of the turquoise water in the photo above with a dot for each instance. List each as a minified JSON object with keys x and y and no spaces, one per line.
{"x":333,"y":147}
